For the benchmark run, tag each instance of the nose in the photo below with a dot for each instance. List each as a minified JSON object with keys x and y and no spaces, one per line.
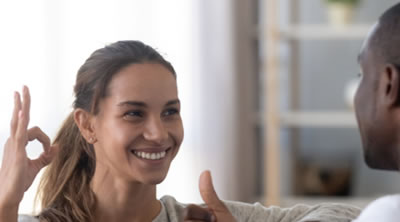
{"x":155,"y":130}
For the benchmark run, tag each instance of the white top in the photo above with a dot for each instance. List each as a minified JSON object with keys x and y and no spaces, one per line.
{"x":172,"y":211}
{"x":386,"y":209}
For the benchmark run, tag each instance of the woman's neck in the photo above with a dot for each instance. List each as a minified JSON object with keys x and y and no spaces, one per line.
{"x":119,"y":200}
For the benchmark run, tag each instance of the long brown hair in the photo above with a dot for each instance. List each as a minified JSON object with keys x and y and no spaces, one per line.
{"x":64,"y":191}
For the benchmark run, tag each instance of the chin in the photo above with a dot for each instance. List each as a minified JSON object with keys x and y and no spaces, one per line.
{"x":154,"y":179}
{"x":380,"y":160}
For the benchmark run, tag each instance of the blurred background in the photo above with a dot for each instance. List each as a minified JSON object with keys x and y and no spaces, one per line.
{"x":220,"y":51}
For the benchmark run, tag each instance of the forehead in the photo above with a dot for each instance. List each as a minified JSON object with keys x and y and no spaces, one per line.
{"x":143,"y":82}
{"x":366,"y":44}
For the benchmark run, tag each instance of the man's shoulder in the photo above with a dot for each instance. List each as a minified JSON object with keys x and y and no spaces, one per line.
{"x":386,"y":209}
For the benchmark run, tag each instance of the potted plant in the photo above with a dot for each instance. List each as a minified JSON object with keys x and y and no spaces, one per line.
{"x":340,"y":12}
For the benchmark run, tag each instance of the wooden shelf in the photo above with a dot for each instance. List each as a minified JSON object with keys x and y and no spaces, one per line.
{"x":325,"y":31}
{"x":321,"y":119}
{"x":314,"y":119}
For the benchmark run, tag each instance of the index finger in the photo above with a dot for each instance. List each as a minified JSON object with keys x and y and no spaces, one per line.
{"x":26,"y":105}
{"x":37,"y":133}
{"x":23,"y":117}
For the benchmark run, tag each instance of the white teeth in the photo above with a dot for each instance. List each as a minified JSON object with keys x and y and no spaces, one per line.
{"x":150,"y":156}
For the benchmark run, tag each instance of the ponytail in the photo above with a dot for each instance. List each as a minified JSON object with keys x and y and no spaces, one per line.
{"x":64,"y":190}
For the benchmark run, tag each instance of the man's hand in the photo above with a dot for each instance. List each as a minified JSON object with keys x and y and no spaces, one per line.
{"x":215,"y":210}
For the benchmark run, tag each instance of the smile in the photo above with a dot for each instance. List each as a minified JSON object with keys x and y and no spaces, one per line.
{"x":150,"y":156}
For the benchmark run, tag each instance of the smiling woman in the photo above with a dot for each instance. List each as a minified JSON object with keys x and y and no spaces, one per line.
{"x":122,"y":108}
{"x":111,"y":151}
{"x":140,"y":115}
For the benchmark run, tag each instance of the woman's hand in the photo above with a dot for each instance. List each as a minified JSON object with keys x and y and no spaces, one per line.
{"x":215,"y":210}
{"x":17,"y":171}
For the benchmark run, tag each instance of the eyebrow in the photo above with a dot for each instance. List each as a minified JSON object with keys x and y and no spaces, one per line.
{"x":173,"y":102}
{"x":142,"y":104}
{"x":132,"y":103}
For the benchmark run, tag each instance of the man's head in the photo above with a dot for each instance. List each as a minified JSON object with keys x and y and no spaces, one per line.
{"x":377,"y":101}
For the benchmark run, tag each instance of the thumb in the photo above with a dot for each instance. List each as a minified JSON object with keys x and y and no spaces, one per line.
{"x":208,"y":193}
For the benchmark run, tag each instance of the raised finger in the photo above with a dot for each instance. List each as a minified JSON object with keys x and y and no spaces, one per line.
{"x":26,"y":105}
{"x":14,"y":118}
{"x":23,"y":116}
{"x":37,"y":133}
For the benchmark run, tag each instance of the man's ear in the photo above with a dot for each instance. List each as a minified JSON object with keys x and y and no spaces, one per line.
{"x":83,"y":120}
{"x":391,"y":82}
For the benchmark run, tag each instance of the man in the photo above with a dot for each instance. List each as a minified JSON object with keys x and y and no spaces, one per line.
{"x":377,"y":106}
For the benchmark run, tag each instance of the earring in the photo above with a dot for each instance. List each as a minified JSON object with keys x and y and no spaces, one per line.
{"x":91,"y":140}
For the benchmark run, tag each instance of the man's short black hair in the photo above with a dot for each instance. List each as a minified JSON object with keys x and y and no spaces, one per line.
{"x":385,"y":42}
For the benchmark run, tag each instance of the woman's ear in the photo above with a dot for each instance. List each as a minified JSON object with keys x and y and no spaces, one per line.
{"x":83,"y":120}
{"x":391,"y":81}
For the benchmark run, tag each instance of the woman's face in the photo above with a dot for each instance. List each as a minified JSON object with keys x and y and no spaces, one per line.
{"x":139,"y":127}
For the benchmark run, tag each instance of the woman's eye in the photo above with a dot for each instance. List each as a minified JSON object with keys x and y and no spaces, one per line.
{"x":170,"y":112}
{"x":131,"y":114}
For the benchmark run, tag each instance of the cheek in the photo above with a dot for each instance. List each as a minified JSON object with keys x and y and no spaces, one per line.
{"x":356,"y":101}
{"x":360,"y":96}
{"x":359,"y":108}
{"x":113,"y":149}
{"x":177,"y":132}
{"x":116,"y":135}
{"x":123,"y":136}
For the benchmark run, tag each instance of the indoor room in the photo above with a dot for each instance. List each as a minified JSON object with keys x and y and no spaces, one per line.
{"x":266,"y":89}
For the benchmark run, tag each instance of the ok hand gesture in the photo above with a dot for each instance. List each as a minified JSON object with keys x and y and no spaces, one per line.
{"x":17,"y":171}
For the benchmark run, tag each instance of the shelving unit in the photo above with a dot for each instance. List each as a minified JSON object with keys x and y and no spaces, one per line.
{"x":323,"y":32}
{"x":273,"y":119}
{"x":332,"y":119}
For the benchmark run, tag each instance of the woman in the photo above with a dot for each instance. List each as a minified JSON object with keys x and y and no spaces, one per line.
{"x":114,"y":148}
